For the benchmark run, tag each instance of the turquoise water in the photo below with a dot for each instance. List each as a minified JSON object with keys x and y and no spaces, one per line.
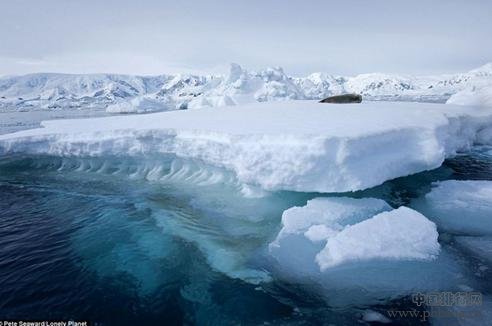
{"x":120,"y":240}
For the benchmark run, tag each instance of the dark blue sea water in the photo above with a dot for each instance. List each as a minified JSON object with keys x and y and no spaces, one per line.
{"x":97,"y":239}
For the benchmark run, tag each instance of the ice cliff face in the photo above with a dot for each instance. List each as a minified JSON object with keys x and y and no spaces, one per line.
{"x":124,"y":93}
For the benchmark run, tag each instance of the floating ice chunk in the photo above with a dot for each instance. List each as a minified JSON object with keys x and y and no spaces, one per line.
{"x":305,"y":229}
{"x":211,"y":101}
{"x":478,"y":96}
{"x":354,"y":230}
{"x":362,"y":250}
{"x":478,"y":246}
{"x":463,"y":207}
{"x":139,"y":104}
{"x":372,"y":316}
{"x":328,"y":213}
{"x":399,"y":234}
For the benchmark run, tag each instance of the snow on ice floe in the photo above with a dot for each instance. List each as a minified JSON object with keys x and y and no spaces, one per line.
{"x":352,"y":230}
{"x":462,"y":207}
{"x":399,"y":234}
{"x":361,"y":249}
{"x":290,"y":145}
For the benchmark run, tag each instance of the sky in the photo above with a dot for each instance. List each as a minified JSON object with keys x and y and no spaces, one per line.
{"x":154,"y":37}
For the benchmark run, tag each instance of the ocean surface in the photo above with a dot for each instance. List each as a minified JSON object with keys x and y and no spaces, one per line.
{"x":112,"y":241}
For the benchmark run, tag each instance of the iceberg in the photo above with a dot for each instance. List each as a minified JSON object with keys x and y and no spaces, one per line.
{"x":461,"y":207}
{"x":289,"y":145}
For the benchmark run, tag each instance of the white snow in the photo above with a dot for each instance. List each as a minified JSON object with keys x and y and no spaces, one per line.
{"x":326,"y":216}
{"x":463,"y":207}
{"x":363,"y":251}
{"x":238,"y":86}
{"x":140,"y":104}
{"x":478,"y":96}
{"x":291,"y":145}
{"x":372,"y":316}
{"x":353,"y":230}
{"x":399,"y":234}
{"x":305,"y":229}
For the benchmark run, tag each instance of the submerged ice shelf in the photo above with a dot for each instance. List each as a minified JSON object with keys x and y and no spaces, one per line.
{"x":296,"y":145}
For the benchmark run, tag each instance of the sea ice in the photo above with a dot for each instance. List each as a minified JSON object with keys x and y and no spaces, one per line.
{"x":141,"y":104}
{"x":462,"y":207}
{"x":480,"y":247}
{"x":399,"y":234}
{"x":372,"y":316}
{"x":289,"y":145}
{"x":361,"y":249}
{"x":477,"y":96}
{"x":354,"y":230}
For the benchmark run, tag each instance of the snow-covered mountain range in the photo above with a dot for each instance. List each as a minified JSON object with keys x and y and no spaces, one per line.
{"x":126,"y":93}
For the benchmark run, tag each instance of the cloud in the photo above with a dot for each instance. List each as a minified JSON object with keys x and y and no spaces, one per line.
{"x":153,"y":37}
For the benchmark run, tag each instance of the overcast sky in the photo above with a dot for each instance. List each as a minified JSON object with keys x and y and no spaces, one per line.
{"x":152,"y":37}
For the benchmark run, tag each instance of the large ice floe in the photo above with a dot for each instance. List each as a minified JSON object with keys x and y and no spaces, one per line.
{"x":290,"y":145}
{"x":361,"y":248}
{"x":462,"y":207}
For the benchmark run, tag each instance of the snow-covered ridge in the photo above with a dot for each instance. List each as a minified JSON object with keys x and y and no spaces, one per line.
{"x":288,"y":145}
{"x":124,"y":93}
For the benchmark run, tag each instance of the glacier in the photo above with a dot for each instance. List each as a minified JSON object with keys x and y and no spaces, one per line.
{"x":289,"y":145}
{"x":142,"y":94}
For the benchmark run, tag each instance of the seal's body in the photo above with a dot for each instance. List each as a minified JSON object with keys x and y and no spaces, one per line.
{"x":344,"y":98}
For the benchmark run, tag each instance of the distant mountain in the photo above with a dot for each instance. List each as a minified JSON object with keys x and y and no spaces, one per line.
{"x":125,"y":93}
